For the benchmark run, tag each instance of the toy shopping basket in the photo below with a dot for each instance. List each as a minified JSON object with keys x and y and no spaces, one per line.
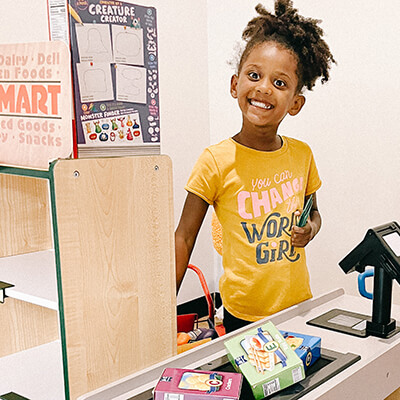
{"x":187,"y":322}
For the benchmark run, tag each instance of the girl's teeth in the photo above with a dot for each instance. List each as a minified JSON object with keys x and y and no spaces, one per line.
{"x":260,"y":104}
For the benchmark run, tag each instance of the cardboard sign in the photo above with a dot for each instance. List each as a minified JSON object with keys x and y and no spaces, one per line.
{"x":35,"y":104}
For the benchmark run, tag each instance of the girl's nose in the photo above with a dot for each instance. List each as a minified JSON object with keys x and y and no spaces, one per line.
{"x":264,"y":86}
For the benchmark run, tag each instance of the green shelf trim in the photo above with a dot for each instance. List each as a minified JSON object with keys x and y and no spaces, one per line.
{"x":34,"y":173}
{"x":59,"y":280}
{"x":12,"y":396}
{"x":3,"y":287}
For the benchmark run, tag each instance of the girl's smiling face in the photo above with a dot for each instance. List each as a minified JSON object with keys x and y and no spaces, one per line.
{"x":267,"y":88}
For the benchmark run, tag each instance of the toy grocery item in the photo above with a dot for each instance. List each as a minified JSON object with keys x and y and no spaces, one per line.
{"x":190,"y":345}
{"x":187,"y":384}
{"x":308,"y":348}
{"x":195,"y":335}
{"x":265,"y":359}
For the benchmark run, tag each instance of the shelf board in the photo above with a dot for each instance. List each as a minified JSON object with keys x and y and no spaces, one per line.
{"x":35,"y":373}
{"x":33,"y":276}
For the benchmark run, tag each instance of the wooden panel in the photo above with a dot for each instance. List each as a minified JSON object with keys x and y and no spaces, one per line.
{"x":24,"y":215}
{"x":394,"y":396}
{"x":24,"y":325}
{"x":115,"y":223}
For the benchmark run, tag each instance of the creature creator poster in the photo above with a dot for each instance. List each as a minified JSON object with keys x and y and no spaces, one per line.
{"x":115,"y":73}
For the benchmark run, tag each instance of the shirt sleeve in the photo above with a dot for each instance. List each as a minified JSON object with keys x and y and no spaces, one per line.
{"x":205,"y":177}
{"x":314,"y":181}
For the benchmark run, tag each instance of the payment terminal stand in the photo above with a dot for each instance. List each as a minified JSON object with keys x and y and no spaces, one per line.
{"x":380,"y":249}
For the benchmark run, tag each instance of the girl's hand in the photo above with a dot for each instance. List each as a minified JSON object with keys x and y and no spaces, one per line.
{"x":302,"y":236}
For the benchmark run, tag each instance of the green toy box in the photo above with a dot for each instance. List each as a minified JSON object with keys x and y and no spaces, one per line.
{"x":265,"y":359}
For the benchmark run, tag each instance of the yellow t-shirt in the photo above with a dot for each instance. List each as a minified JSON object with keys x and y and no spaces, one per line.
{"x":255,"y":194}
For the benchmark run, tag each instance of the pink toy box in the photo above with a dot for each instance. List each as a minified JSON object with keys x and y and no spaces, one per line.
{"x":189,"y":384}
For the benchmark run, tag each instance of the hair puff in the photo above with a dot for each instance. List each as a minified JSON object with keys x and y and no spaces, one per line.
{"x":302,"y":36}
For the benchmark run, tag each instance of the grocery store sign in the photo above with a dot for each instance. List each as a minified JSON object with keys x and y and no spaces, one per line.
{"x":35,"y":104}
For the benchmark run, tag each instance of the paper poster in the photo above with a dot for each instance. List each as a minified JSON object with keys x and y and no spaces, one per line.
{"x":128,"y":45}
{"x":115,"y":72}
{"x":94,"y":42}
{"x":126,"y":128}
{"x":35,"y":104}
{"x":95,"y":81}
{"x":131,"y":83}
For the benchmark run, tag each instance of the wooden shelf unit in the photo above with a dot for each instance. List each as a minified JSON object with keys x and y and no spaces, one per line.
{"x":31,"y":286}
{"x":89,"y":246}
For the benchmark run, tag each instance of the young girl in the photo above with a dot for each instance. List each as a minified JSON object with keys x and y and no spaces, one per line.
{"x":257,"y":180}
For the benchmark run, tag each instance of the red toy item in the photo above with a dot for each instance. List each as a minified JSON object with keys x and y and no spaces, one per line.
{"x":186,"y":322}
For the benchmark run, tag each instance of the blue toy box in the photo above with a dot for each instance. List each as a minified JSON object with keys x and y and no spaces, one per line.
{"x":308,"y":348}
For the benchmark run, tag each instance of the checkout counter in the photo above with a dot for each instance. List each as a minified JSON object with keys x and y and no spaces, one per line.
{"x":365,"y":368}
{"x":360,"y":363}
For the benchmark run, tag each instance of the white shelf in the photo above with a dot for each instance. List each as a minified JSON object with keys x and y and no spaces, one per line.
{"x":34,"y":373}
{"x":33,"y":276}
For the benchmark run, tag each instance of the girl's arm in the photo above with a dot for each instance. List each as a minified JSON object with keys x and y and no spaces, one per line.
{"x":302,"y":236}
{"x":193,"y":213}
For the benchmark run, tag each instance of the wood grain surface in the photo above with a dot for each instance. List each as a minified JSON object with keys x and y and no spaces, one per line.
{"x":115,"y":224}
{"x":25,"y":325}
{"x":24,"y":215}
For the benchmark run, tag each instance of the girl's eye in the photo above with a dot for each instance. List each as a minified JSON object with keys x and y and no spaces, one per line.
{"x":279,"y":83}
{"x":254,"y":75}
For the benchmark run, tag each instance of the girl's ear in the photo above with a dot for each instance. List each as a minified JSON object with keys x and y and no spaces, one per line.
{"x":298,"y":104}
{"x":234,"y":81}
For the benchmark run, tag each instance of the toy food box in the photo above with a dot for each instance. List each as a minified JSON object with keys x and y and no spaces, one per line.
{"x":308,"y":348}
{"x":189,"y":384}
{"x":266,"y":360}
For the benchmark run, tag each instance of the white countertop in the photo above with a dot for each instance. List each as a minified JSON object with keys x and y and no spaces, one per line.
{"x":373,"y":377}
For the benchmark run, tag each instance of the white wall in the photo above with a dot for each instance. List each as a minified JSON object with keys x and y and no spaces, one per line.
{"x":23,"y":21}
{"x":351,"y":123}
{"x":184,"y":113}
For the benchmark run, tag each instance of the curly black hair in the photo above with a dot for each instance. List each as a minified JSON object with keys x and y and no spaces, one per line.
{"x":302,"y":36}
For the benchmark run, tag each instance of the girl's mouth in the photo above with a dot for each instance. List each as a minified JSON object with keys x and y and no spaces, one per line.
{"x":260,"y":104}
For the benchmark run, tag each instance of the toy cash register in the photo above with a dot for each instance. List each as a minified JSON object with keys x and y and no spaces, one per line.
{"x":380,"y":249}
